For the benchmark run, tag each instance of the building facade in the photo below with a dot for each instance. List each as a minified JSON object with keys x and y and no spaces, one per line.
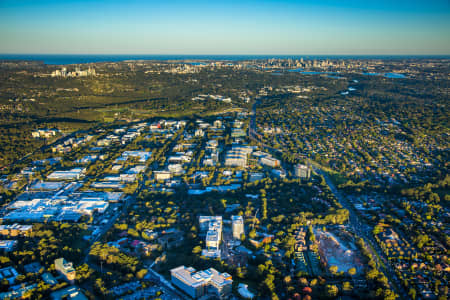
{"x":200,"y":283}
{"x":302,"y":171}
{"x":65,"y":268}
{"x":237,"y":226}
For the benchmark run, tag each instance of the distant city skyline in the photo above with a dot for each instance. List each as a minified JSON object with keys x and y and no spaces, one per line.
{"x":233,"y":28}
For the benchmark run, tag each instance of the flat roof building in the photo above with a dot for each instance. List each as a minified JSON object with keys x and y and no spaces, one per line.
{"x":142,"y":155}
{"x":302,"y":171}
{"x":237,"y":226}
{"x":72,"y":174}
{"x":237,"y":156}
{"x":15,"y":229}
{"x":8,"y":273}
{"x":7,"y":245}
{"x":71,"y":292}
{"x":269,"y":161}
{"x":213,"y":235}
{"x":47,"y":186}
{"x":197,"y":284}
{"x":162,"y":175}
{"x":65,"y":268}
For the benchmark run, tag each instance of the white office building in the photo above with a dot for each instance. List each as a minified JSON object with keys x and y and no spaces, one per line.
{"x":302,"y":171}
{"x":72,"y":174}
{"x":200,"y":283}
{"x":213,"y":235}
{"x":237,"y":226}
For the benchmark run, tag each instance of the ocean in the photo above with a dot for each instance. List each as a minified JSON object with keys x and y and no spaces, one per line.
{"x":67,"y":59}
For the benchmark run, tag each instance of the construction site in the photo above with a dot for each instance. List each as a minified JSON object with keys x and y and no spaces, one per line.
{"x":337,"y":248}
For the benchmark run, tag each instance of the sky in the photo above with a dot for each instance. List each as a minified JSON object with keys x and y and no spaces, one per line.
{"x":258,"y":27}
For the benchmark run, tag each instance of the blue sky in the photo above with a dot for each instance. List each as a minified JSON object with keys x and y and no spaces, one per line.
{"x":231,"y":27}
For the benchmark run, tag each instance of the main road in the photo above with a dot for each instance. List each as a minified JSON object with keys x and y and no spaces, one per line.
{"x":355,"y":222}
{"x":364,"y":231}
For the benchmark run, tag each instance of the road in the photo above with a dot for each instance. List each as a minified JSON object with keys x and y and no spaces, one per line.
{"x":163,"y":283}
{"x":356,"y":224}
{"x":252,"y":131}
{"x":364,"y":231}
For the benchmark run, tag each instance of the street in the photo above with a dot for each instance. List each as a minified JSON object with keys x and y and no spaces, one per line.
{"x":358,"y":226}
{"x":365,"y":232}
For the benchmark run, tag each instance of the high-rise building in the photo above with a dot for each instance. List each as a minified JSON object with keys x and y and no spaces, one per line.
{"x":213,"y":235}
{"x":237,"y":226}
{"x":302,"y":171}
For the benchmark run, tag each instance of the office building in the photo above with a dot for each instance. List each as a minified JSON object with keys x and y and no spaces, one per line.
{"x":200,"y":283}
{"x":65,"y":268}
{"x":71,"y":292}
{"x":213,"y":235}
{"x":162,"y":175}
{"x":16,"y":230}
{"x":269,"y":161}
{"x":302,"y":171}
{"x":7,"y":245}
{"x":237,"y":226}
{"x":72,"y":174}
{"x":237,"y":156}
{"x":8,"y":273}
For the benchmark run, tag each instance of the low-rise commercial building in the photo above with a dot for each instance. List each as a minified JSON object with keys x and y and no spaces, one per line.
{"x":16,"y":230}
{"x":8,"y":273}
{"x":72,"y":174}
{"x":162,"y":175}
{"x":207,"y":282}
{"x":71,"y":292}
{"x":7,"y":245}
{"x":269,"y":161}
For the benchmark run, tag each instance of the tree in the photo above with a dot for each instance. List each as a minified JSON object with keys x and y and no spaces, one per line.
{"x":303,"y":281}
{"x":389,"y":295}
{"x":347,"y":287}
{"x":141,"y":273}
{"x":421,"y":240}
{"x":287,"y":280}
{"x":372,"y":274}
{"x":268,"y":282}
{"x":99,"y":287}
{"x":197,"y":250}
{"x":333,"y":270}
{"x":331,"y":290}
{"x":352,"y":271}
